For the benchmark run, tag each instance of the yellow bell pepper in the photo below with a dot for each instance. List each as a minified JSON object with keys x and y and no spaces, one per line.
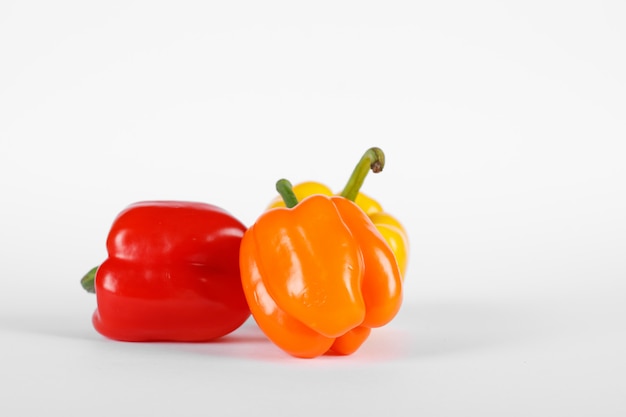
{"x":389,"y":227}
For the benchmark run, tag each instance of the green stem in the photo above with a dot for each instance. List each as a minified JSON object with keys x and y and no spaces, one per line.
{"x":285,"y":190}
{"x":88,"y":281}
{"x":373,"y":159}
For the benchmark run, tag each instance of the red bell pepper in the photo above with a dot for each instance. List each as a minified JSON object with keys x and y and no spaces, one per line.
{"x":172,"y":274}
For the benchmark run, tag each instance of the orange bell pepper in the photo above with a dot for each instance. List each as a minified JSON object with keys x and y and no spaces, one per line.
{"x":392,"y":230}
{"x":318,"y":275}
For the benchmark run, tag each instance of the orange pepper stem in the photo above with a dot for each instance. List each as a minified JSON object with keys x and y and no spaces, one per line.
{"x":285,"y":189}
{"x":373,"y":159}
{"x":88,"y":281}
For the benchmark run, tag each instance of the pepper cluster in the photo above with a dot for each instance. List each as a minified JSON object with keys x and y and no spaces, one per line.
{"x":317,"y":270}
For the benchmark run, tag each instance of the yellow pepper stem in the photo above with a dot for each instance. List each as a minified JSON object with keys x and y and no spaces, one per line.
{"x":373,"y":159}
{"x":285,"y":189}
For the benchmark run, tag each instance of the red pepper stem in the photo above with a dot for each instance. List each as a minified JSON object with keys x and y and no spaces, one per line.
{"x":89,"y":280}
{"x":373,"y":159}
{"x":285,"y":189}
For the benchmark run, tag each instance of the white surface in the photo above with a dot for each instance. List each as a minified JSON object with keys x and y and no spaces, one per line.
{"x":504,"y":128}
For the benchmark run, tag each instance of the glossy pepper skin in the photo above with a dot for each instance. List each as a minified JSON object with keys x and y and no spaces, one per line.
{"x":319,"y":276}
{"x":172,"y":274}
{"x":389,"y":227}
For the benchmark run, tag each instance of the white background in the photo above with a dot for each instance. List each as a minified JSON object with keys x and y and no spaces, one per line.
{"x":504,"y":126}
